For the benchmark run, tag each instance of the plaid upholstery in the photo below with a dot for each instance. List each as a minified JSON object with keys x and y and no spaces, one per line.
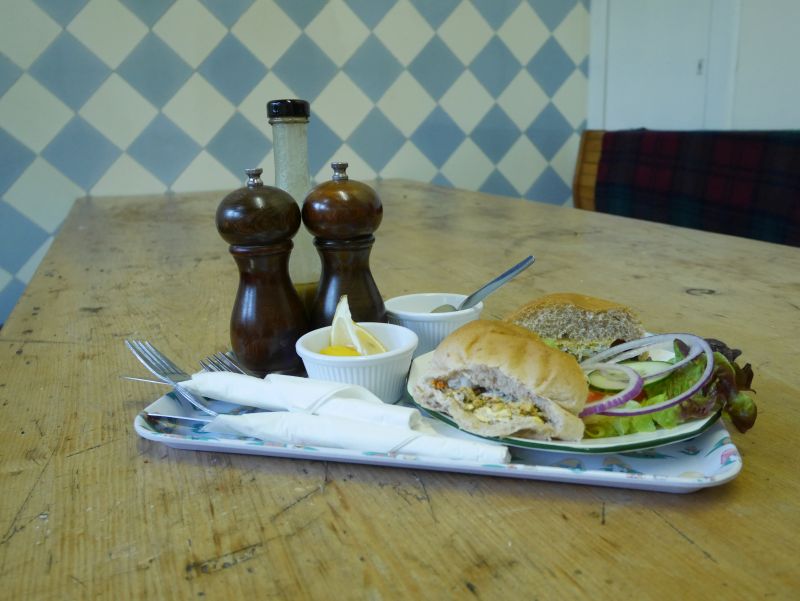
{"x":732,"y":182}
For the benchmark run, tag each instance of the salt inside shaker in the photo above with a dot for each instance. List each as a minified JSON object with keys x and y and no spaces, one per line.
{"x":289,"y":121}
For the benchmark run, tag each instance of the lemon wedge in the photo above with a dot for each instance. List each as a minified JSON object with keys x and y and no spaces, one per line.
{"x":347,"y":333}
{"x":367,"y":343}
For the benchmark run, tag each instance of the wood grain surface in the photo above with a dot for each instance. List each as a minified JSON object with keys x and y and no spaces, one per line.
{"x":88,"y":510}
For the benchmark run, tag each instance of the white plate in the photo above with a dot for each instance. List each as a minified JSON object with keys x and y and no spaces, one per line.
{"x":709,"y":460}
{"x":615,"y":444}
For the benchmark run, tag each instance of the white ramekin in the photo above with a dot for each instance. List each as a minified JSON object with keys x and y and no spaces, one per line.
{"x":413,"y":311}
{"x":383,"y":374}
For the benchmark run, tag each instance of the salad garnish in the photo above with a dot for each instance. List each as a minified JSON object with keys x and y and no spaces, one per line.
{"x":632,"y":393}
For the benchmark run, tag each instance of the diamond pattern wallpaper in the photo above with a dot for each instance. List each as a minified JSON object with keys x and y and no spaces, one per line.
{"x":110,"y":97}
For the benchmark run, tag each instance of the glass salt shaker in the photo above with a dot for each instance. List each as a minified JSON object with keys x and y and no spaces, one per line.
{"x":289,"y":121}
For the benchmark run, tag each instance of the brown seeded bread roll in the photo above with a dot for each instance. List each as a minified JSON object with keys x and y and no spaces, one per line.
{"x":578,"y":324}
{"x":498,"y":379}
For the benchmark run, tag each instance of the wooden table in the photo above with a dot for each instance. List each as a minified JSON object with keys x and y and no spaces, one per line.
{"x":90,"y":510}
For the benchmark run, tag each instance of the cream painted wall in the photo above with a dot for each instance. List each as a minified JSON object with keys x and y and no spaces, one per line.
{"x":767,"y":81}
{"x":751,"y":62}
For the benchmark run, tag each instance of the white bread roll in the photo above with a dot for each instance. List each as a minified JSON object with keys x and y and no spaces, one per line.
{"x":524,"y":387}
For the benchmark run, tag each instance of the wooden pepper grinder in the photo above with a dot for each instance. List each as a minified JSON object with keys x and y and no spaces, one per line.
{"x":343,"y":214}
{"x":258,"y":222}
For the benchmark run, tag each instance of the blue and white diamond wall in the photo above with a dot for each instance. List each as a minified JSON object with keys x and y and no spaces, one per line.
{"x":102,"y":97}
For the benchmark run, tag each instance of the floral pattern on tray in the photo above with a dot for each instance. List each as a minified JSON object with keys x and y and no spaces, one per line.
{"x":710,"y":459}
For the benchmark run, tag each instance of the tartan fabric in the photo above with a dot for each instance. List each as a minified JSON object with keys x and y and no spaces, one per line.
{"x":744,"y":183}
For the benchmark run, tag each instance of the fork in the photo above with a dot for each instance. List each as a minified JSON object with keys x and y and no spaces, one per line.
{"x":221,"y":362}
{"x":166,"y":371}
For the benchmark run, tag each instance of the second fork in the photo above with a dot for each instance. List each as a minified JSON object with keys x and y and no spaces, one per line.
{"x":165,"y":370}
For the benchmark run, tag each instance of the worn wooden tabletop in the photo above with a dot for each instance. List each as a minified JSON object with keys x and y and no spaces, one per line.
{"x":89,"y":510}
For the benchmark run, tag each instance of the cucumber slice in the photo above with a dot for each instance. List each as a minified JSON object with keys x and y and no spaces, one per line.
{"x":646,"y":369}
{"x":609,"y":379}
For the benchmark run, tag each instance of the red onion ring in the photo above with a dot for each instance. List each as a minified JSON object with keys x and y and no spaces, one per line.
{"x":633,"y":348}
{"x":634,"y":387}
{"x":709,"y":355}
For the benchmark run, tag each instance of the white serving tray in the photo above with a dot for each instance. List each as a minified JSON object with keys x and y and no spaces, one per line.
{"x":708,"y":460}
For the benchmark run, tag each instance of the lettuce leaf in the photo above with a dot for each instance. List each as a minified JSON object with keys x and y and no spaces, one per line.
{"x":603,"y":426}
{"x":725,"y":389}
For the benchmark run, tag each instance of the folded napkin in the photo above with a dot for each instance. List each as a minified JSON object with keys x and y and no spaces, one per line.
{"x":338,"y":432}
{"x":278,"y":392}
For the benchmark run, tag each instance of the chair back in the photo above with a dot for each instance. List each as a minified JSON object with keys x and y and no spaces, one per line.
{"x":583,"y":185}
{"x":743,"y":183}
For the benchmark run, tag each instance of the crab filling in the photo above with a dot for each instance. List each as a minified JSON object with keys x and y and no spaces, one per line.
{"x":488,"y":406}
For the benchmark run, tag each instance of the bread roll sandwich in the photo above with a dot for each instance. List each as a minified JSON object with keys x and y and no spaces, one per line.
{"x":498,"y":379}
{"x":578,"y":324}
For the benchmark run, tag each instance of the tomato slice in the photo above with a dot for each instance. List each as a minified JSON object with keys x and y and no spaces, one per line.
{"x":595,"y":395}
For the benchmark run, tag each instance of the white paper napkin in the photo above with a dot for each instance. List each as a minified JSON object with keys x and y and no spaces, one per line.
{"x":337,"y":432}
{"x":278,"y":392}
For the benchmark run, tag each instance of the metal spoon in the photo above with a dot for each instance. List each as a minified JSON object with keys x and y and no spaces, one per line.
{"x":484,"y":291}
